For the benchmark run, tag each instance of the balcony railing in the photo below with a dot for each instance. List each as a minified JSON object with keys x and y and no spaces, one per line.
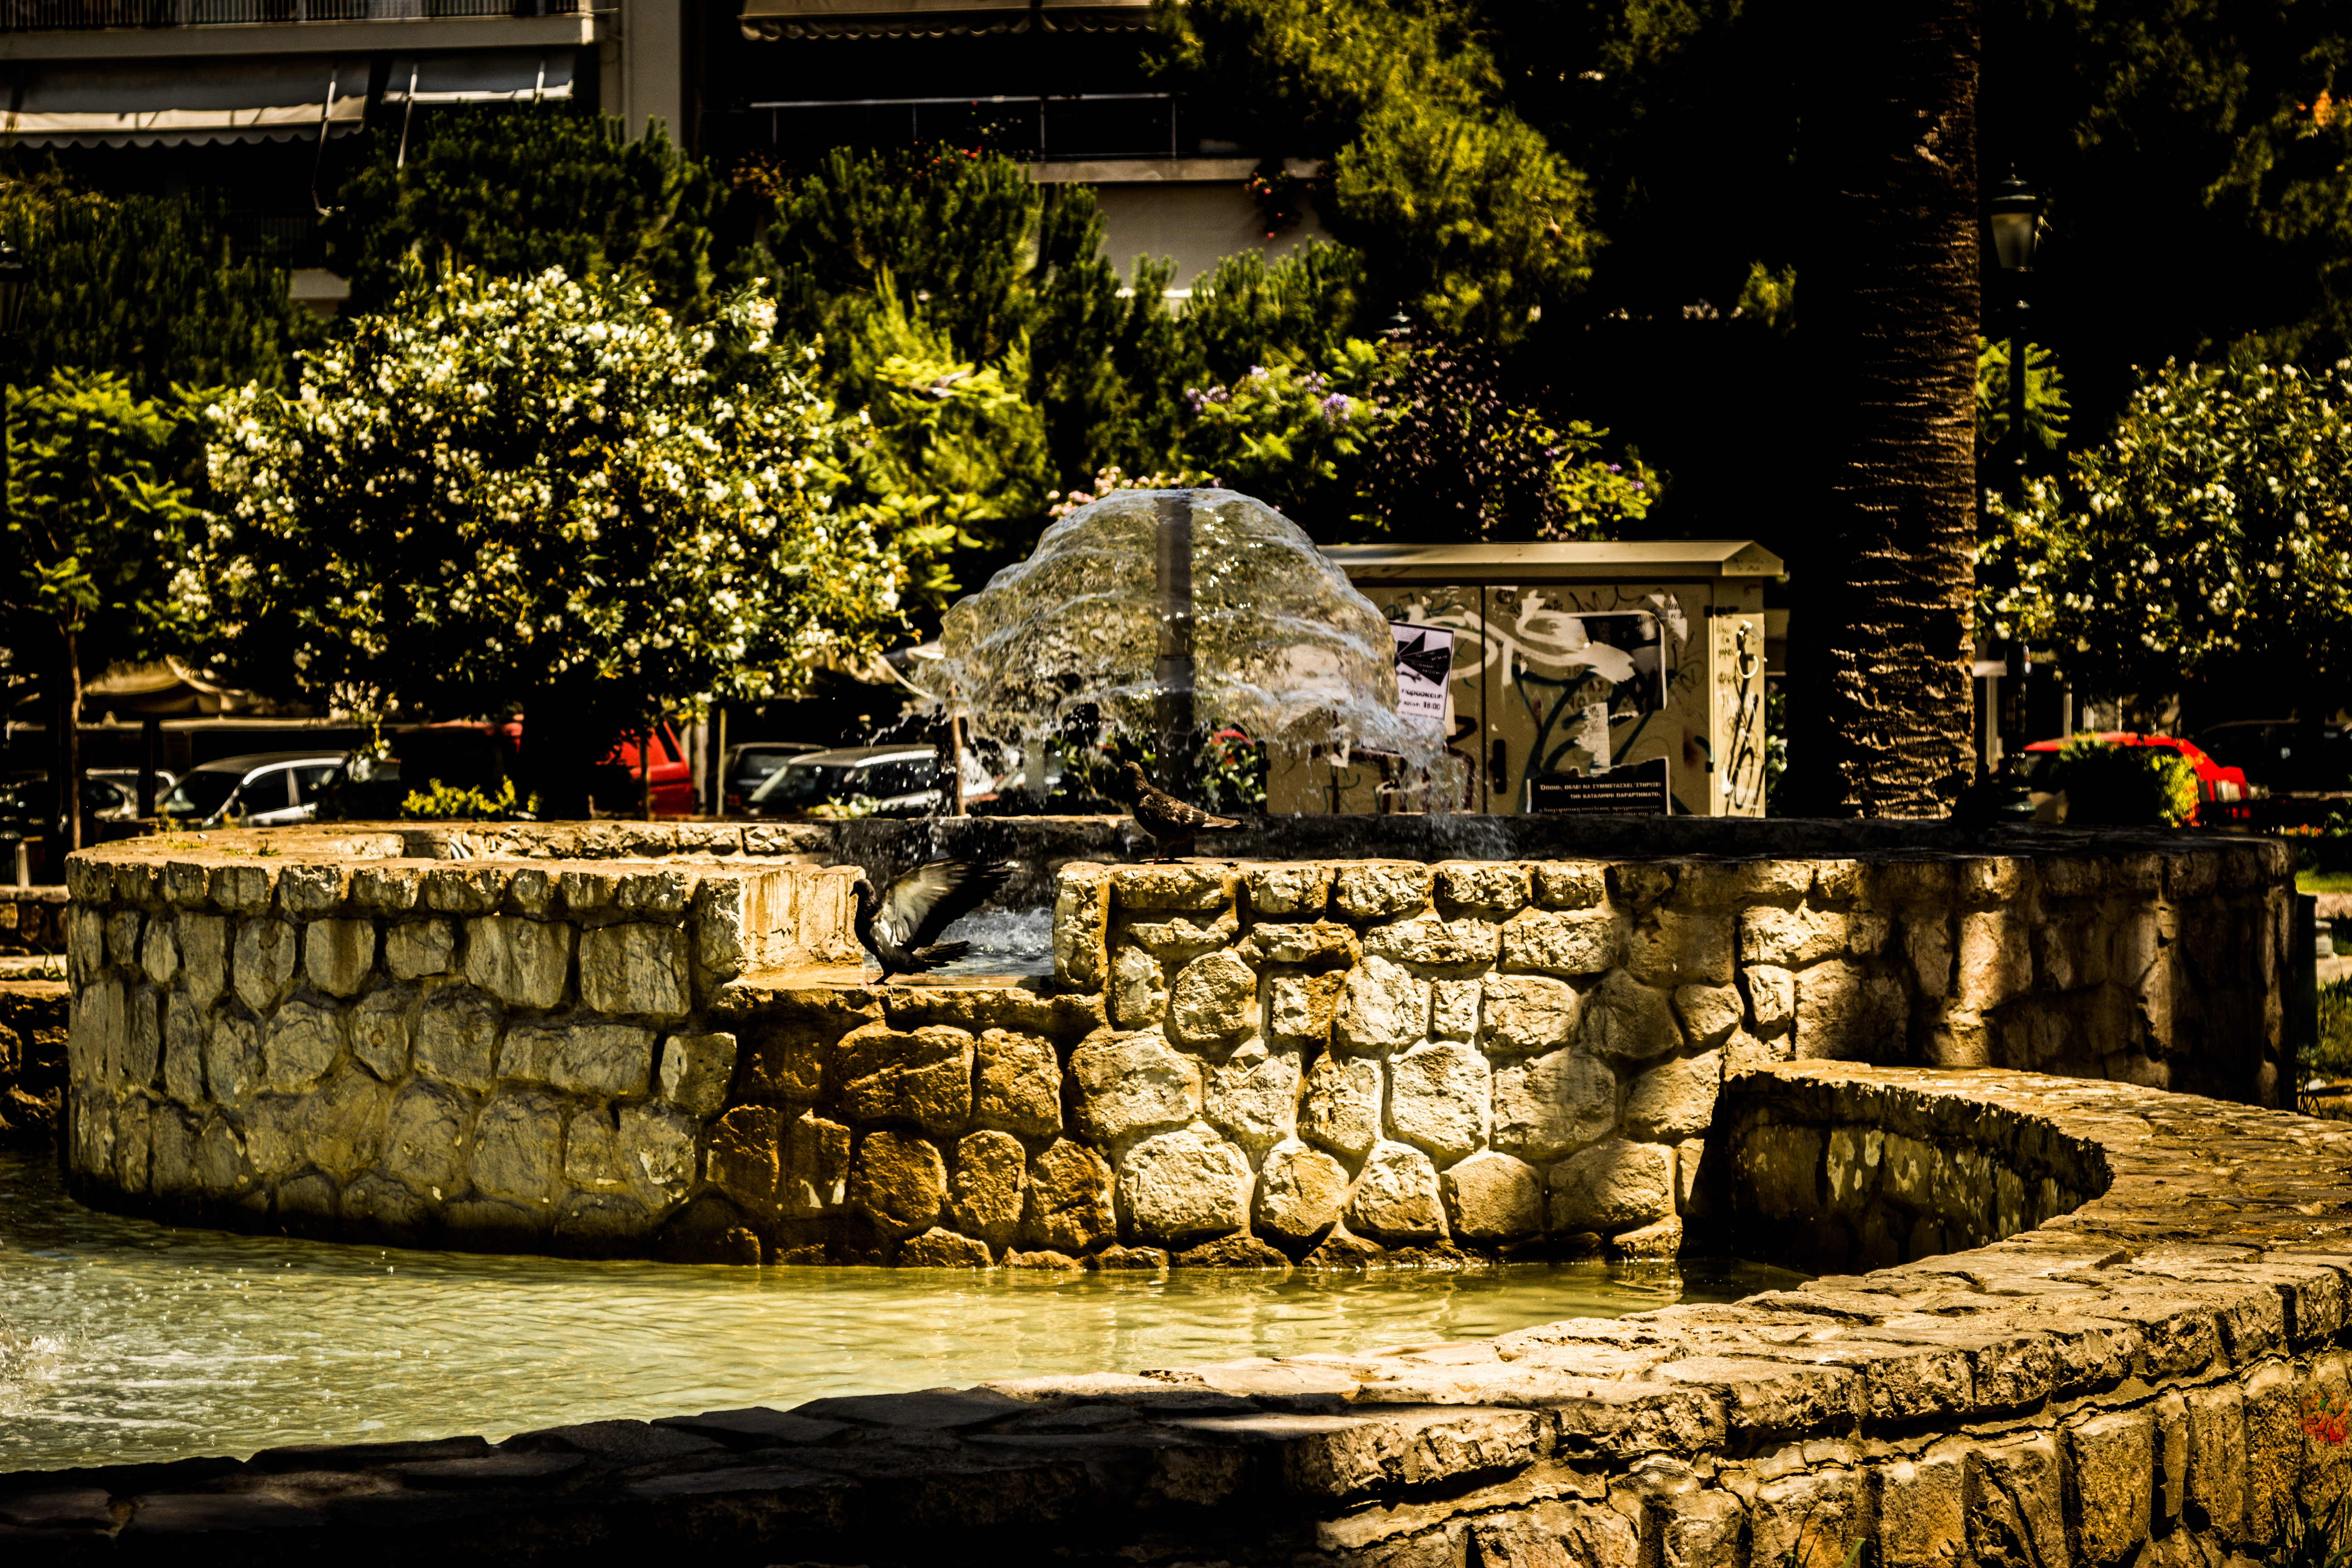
{"x":80,"y":16}
{"x":1073,"y":125}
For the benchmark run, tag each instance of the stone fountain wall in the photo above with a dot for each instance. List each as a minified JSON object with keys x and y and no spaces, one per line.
{"x":1340,"y":1062}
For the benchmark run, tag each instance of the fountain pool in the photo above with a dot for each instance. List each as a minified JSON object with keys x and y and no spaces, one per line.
{"x":122,"y":1340}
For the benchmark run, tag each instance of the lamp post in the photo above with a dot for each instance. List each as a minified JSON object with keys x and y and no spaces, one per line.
{"x":2014,"y":214}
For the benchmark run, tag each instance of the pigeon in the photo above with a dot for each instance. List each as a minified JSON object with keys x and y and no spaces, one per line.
{"x":901,"y":927}
{"x":1170,"y":822}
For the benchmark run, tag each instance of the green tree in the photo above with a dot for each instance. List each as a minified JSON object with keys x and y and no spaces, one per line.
{"x":95,"y":528}
{"x":510,"y":194}
{"x":1465,"y":212}
{"x":539,"y":492}
{"x":146,"y":289}
{"x":2205,"y":549}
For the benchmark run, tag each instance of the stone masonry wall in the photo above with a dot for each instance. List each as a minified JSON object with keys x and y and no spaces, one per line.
{"x":1331,"y":1062}
{"x":473,"y":1053}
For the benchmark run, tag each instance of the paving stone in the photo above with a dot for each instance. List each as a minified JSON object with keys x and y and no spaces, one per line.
{"x":518,"y":1147}
{"x":381,"y":1024}
{"x":300,"y":1045}
{"x":338,"y":956}
{"x":1372,"y":889}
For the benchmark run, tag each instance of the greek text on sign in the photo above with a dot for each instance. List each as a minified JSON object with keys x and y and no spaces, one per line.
{"x":1424,"y":659}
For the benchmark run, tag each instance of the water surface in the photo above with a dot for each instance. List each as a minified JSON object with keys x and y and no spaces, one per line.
{"x":125,"y":1339}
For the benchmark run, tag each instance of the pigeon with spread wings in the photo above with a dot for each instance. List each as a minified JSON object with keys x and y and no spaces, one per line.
{"x":1170,"y":822}
{"x":901,"y":927}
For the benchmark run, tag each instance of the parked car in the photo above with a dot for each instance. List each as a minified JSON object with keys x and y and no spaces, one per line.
{"x":267,"y":789}
{"x":672,"y":777}
{"x":747,"y":766}
{"x":2221,"y":792}
{"x":901,"y":781}
{"x":2283,"y":755}
{"x":25,"y":802}
{"x":470,"y":755}
{"x":128,"y":778}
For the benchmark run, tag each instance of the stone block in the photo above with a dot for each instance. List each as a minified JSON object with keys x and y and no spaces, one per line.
{"x":1612,"y":1186}
{"x":1396,"y":1197}
{"x":1182,"y":1186}
{"x":457,"y":1036}
{"x":172,"y":1158}
{"x":1701,"y":884}
{"x":1299,"y":1192}
{"x":387,"y":890}
{"x":594,"y":1159}
{"x":523,"y":963}
{"x":938,"y":1249}
{"x":188,"y":883}
{"x":1845,"y":1013}
{"x":595,"y":1059}
{"x":635,"y":968}
{"x":134,"y":1148}
{"x":310,"y":891}
{"x":986,"y":1193}
{"x":185,"y":1024}
{"x":96,"y":1023}
{"x":1574,"y":942}
{"x":85,"y":943}
{"x":1427,"y":940}
{"x":1299,"y":1008}
{"x":1780,"y":1171}
{"x":382,"y":1025}
{"x":1139,"y":991}
{"x":465,"y":889}
{"x":746,"y":1159}
{"x":1549,"y":1105}
{"x":814,"y":1177}
{"x":339,"y":955}
{"x":601,"y":1223}
{"x":1638,"y":884}
{"x":1214,"y":1001}
{"x":923,"y":1076}
{"x":662,"y":892}
{"x":1374,"y":890}
{"x":1383,"y":1007}
{"x":344,"y":1124}
{"x":264,"y":964}
{"x":1675,"y":1099}
{"x":657,"y":1147}
{"x":1453,"y":1009}
{"x":1682,"y":947}
{"x":1081,"y":927}
{"x":1288,"y":889}
{"x":899,"y":1183}
{"x":141,"y":1058}
{"x":1492,"y":1198}
{"x":1771,"y":997}
{"x":300,"y":1045}
{"x":519,"y":1147}
{"x":697,"y":1071}
{"x":416,"y":949}
{"x":1852,"y":1166}
{"x":1438,"y":1096}
{"x":220,"y":1158}
{"x":1628,"y":1020}
{"x":1708,"y":1014}
{"x":2113,"y":1469}
{"x":1996,"y":957}
{"x":586,"y":892}
{"x":1325,"y":944}
{"x":1252,"y":1097}
{"x":243,"y":890}
{"x":159,"y":950}
{"x":1342,"y":1112}
{"x":1179,"y":939}
{"x":1019,"y":1088}
{"x":1068,"y":1207}
{"x":378,"y":1207}
{"x":1189,"y":886}
{"x":232,"y":1060}
{"x":1524,"y":1014}
{"x":1570,"y":885}
{"x":1130,"y":1084}
{"x":1498,"y":888}
{"x":2217,"y":1456}
{"x":123,"y":929}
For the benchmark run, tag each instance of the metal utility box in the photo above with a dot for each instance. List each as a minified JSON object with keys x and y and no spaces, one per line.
{"x":1623,"y":677}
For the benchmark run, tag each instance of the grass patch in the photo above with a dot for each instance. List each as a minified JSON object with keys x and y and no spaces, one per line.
{"x":2323,"y":881}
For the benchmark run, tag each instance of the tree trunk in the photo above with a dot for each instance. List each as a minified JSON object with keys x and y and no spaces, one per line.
{"x":1881,"y":701}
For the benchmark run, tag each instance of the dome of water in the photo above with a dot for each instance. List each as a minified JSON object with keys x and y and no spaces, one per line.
{"x":1153,"y":610}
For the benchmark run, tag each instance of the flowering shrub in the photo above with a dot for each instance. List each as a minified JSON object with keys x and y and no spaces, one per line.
{"x":1111,"y":478}
{"x":2209,"y":541}
{"x":502,"y":488}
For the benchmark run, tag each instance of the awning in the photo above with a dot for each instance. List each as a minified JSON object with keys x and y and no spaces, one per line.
{"x":146,"y":103}
{"x":481,"y":76}
{"x":882,"y":18}
{"x":1095,"y":16}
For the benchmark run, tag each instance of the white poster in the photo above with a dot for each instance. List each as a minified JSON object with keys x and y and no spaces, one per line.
{"x":1425,"y":663}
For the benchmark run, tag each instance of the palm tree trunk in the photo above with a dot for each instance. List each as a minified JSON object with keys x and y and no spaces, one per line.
{"x":1882,"y":695}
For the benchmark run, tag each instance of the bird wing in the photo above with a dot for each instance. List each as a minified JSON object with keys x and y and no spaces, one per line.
{"x":1168,"y":809}
{"x":927,"y":899}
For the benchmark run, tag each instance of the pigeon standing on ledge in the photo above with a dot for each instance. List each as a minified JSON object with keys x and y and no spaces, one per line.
{"x":901,"y":927}
{"x":1170,"y":822}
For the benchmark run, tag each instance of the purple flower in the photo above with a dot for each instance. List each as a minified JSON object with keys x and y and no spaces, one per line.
{"x":1616,"y":469}
{"x":1257,"y":372}
{"x":1334,"y":409}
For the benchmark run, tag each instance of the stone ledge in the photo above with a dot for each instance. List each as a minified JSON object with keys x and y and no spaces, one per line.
{"x":2130,"y":1372}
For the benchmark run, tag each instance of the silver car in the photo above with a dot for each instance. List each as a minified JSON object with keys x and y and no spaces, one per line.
{"x":267,"y":789}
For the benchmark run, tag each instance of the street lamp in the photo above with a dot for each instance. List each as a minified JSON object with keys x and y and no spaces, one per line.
{"x":2014,"y":214}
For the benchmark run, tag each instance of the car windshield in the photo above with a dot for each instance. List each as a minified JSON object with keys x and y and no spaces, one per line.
{"x":201,"y":793}
{"x":750,"y":767}
{"x":814,"y":784}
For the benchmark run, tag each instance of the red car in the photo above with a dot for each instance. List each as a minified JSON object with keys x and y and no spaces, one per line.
{"x":481,"y":755}
{"x":2223,"y":790}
